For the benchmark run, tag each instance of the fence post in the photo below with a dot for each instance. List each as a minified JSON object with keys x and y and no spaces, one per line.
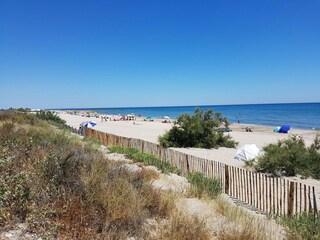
{"x":290,"y":198}
{"x":226,"y":176}
{"x":314,"y":201}
{"x":309,"y":199}
{"x":187,"y":161}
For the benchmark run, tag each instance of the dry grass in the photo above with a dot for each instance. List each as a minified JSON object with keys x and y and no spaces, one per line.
{"x":150,"y":174}
{"x":243,"y":224}
{"x":65,"y":188}
{"x":183,"y":227}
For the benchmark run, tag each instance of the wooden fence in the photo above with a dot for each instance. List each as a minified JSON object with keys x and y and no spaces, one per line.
{"x":268,"y":194}
{"x":74,"y":130}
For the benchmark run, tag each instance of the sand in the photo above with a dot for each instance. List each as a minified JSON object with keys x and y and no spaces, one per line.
{"x":150,"y":131}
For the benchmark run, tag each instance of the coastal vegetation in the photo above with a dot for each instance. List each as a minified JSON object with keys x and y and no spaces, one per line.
{"x":146,"y":158}
{"x":199,"y":130}
{"x":63,"y":187}
{"x":200,"y":185}
{"x":290,"y":157}
{"x":51,"y":117}
{"x":203,"y":186}
{"x":301,"y":226}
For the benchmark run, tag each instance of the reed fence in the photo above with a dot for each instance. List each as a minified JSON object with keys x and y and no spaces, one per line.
{"x":272,"y":195}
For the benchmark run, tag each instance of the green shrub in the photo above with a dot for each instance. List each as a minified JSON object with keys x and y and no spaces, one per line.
{"x":302,"y":226}
{"x":313,"y":160}
{"x":51,"y":118}
{"x":197,"y":130}
{"x":291,"y":157}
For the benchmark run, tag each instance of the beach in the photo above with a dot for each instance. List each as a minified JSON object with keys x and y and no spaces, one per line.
{"x":151,"y":130}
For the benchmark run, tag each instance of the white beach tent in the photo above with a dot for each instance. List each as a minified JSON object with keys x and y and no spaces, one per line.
{"x":247,"y":152}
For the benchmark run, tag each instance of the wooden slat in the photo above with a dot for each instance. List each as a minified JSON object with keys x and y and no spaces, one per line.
{"x":300,"y":205}
{"x":273,"y":197}
{"x":296,"y":196}
{"x":315,"y":208}
{"x":290,"y":198}
{"x":247,"y":187}
{"x":266,"y":194}
{"x":262,"y":193}
{"x":251,"y":188}
{"x":226,"y":186}
{"x":237,"y":184}
{"x":305,"y":197}
{"x":309,"y":200}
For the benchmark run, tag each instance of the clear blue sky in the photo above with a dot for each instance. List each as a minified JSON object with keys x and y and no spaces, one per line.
{"x":157,"y":53}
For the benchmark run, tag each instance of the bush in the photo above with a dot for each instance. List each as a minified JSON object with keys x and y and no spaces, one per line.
{"x":302,"y":226}
{"x":198,"y":130}
{"x":51,"y":118}
{"x":291,"y":157}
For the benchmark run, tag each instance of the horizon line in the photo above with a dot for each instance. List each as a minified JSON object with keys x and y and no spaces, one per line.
{"x":201,"y":105}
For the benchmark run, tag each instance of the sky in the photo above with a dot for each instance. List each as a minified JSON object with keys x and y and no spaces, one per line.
{"x":124,"y":53}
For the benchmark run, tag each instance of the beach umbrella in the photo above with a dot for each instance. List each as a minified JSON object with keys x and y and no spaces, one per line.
{"x":166,"y":117}
{"x":247,"y":152}
{"x":284,"y":129}
{"x":88,"y":124}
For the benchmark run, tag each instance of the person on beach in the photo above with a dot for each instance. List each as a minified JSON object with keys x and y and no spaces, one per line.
{"x":248,"y":129}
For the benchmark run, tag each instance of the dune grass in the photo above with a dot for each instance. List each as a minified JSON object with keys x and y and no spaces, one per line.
{"x":301,"y":226}
{"x":65,"y":188}
{"x":145,"y":158}
{"x":183,"y":227}
{"x":202,"y":186}
{"x":242,"y":224}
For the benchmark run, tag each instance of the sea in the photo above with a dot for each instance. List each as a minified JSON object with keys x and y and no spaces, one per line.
{"x":297,"y":115}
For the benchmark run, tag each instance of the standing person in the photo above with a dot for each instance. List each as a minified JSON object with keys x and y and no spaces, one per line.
{"x":239,"y":117}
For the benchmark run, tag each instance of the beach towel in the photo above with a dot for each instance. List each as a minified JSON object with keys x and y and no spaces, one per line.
{"x":276,"y":129}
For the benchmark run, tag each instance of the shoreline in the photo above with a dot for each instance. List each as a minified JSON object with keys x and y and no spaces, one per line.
{"x":301,"y":116}
{"x":140,"y":117}
{"x":149,"y":131}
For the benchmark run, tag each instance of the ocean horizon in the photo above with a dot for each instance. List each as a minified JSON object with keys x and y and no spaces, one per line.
{"x":297,"y":115}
